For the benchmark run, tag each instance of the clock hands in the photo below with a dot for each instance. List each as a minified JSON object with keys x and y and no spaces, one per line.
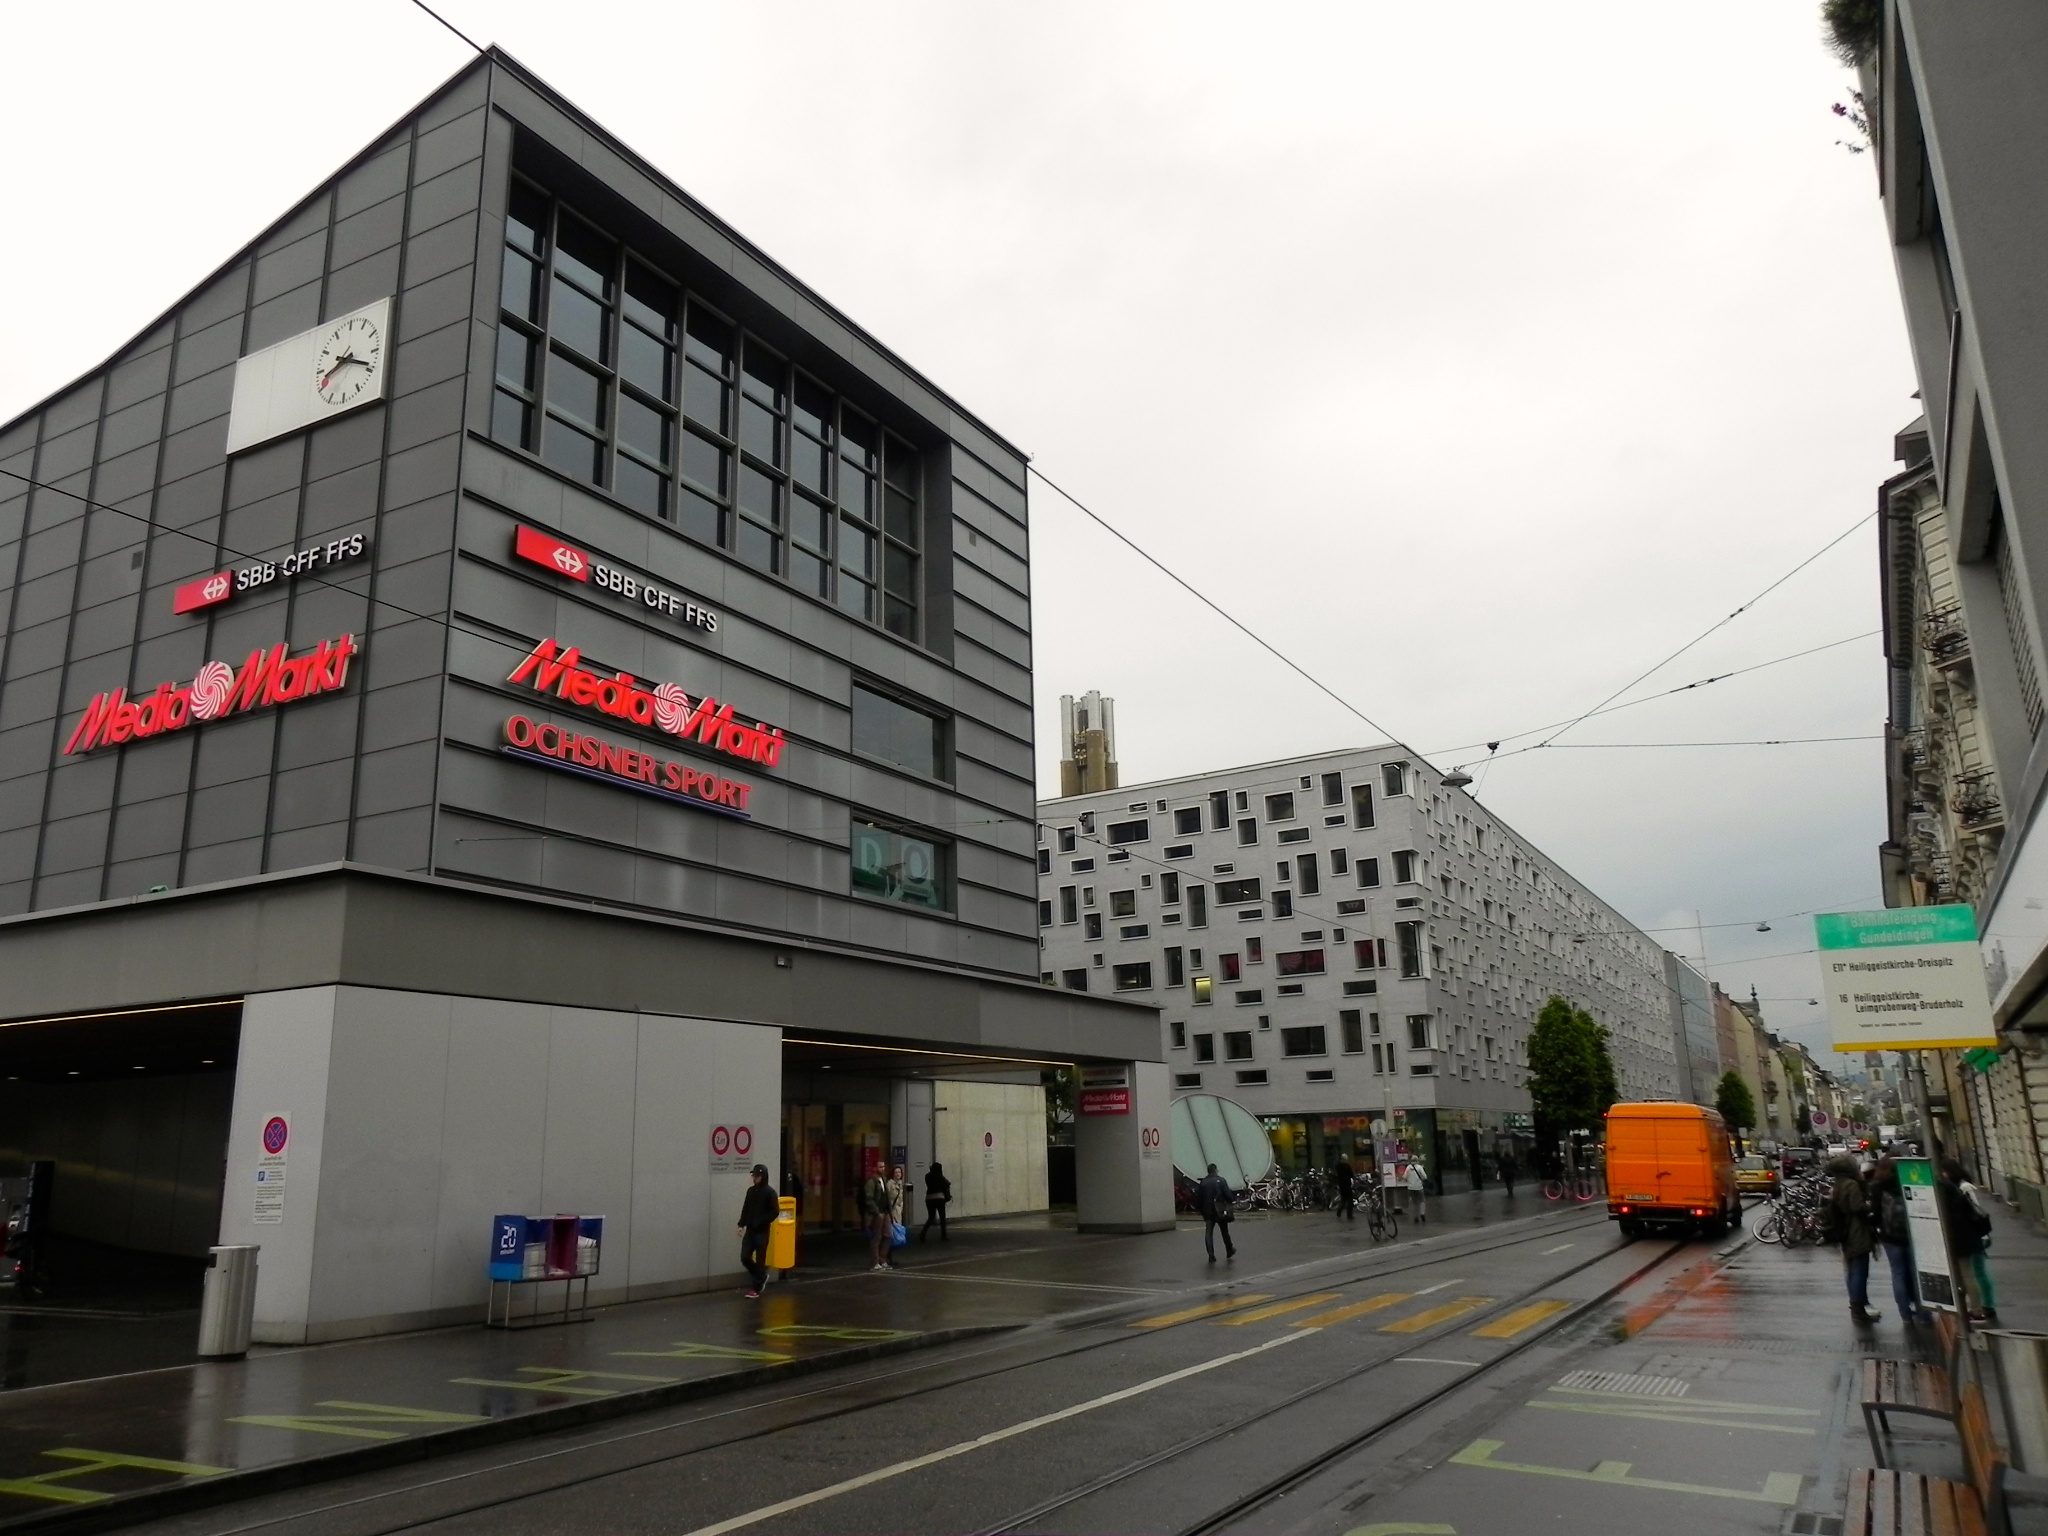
{"x":340,"y":363}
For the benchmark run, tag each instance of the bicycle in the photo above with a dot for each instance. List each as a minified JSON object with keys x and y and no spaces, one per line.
{"x":1381,"y":1219}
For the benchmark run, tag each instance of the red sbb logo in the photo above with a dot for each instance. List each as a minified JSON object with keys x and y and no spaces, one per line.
{"x":204,"y":593}
{"x":596,"y":758}
{"x":551,"y":668}
{"x":538,"y":547}
{"x":266,"y":678}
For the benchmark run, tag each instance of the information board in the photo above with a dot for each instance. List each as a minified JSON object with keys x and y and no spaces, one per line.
{"x":269,"y":1204}
{"x":1935,"y":1280}
{"x":1904,"y":979}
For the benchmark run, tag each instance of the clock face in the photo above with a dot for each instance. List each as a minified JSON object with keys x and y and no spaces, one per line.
{"x":350,"y":360}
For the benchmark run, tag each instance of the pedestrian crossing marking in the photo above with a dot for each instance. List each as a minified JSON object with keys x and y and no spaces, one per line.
{"x":1778,"y":1488}
{"x":1356,"y":1309}
{"x":1435,"y":1315}
{"x":54,"y":1486}
{"x":1239,"y":1319}
{"x":1207,"y":1309}
{"x":1520,"y":1319}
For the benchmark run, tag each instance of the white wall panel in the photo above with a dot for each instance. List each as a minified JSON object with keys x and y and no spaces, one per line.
{"x":671,"y":1196}
{"x":589,"y":1160}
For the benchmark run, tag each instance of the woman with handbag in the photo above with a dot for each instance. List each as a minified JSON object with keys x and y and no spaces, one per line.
{"x":883,"y":1197}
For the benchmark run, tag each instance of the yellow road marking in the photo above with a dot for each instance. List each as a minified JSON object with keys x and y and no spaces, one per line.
{"x":1686,"y":1402}
{"x":1207,"y":1309}
{"x":1435,"y":1315}
{"x":1778,"y":1488}
{"x":1646,"y":1410}
{"x":550,"y":1379}
{"x":1356,"y":1309}
{"x":1402,"y":1528}
{"x":46,"y":1485}
{"x":1522,"y":1317}
{"x":685,"y":1350}
{"x":1239,"y":1319}
{"x":354,"y":1424}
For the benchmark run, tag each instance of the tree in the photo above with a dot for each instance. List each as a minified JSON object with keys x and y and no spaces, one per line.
{"x":1735,"y":1102}
{"x":1571,"y":1073}
{"x":1859,"y":1114}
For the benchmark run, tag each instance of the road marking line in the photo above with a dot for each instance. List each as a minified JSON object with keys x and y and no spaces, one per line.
{"x":1520,"y":1319}
{"x":1778,"y":1488}
{"x":1279,"y":1308}
{"x":1207,"y":1309}
{"x":548,"y":1378}
{"x":1356,"y":1309}
{"x":1470,"y":1365}
{"x":1402,"y":1528}
{"x":1670,"y":1415}
{"x":1441,"y":1285}
{"x":44,"y":1485}
{"x":993,"y":1437}
{"x":1560,"y":1248}
{"x":353,"y":1423}
{"x":1679,"y":1405}
{"x":1046,"y":1285}
{"x":685,"y":1350}
{"x":1435,"y":1315}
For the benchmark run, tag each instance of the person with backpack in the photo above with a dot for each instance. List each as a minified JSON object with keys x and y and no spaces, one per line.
{"x":1968,"y":1228}
{"x":757,"y":1214}
{"x":1212,"y":1199}
{"x":1846,"y":1220}
{"x":1897,"y":1244}
{"x":938,"y":1193}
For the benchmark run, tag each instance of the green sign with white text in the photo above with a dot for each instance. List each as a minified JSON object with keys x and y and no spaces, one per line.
{"x":1904,"y":979}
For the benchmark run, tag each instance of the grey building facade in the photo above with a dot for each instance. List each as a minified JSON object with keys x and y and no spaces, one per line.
{"x":559,"y":630}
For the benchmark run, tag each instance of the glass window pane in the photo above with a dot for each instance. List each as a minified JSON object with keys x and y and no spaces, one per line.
{"x":760,"y":495}
{"x":899,"y":515}
{"x":702,"y":518}
{"x":511,"y":420}
{"x":856,"y":597}
{"x":526,"y":218}
{"x":579,"y":320}
{"x":761,"y":379}
{"x":584,"y":254}
{"x":706,"y":465}
{"x":644,"y":430}
{"x":901,"y":470}
{"x":572,"y":452}
{"x":707,"y":340}
{"x":810,"y":461}
{"x":812,"y":407}
{"x":519,"y":292}
{"x":898,"y":867}
{"x":651,"y":301}
{"x":576,"y":392}
{"x":899,"y":618}
{"x":899,"y":571}
{"x":897,"y":733}
{"x":644,"y":361}
{"x":857,"y":440}
{"x":642,"y":488}
{"x":856,"y":550}
{"x":809,"y":523}
{"x":856,"y":493}
{"x":760,"y":432}
{"x":810,"y":573}
{"x":759,"y":547}
{"x":515,"y":359}
{"x":707,"y":400}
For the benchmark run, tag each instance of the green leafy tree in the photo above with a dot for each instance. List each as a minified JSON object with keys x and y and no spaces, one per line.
{"x":1062,"y":1089}
{"x":1859,"y":1114}
{"x":1571,"y":1073}
{"x":1735,"y":1102}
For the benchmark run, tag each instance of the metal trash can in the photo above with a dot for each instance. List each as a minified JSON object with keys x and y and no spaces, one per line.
{"x":228,"y":1308}
{"x":2021,"y":1361}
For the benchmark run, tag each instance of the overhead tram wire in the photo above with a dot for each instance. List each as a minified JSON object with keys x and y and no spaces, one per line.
{"x":422,"y":4}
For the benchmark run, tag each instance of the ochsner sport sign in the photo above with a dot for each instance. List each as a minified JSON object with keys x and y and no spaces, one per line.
{"x":268,"y":677}
{"x":551,"y":667}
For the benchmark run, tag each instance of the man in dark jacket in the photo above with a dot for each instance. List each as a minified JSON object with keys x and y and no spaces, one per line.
{"x":938,"y":1192}
{"x":1848,"y":1222}
{"x":1347,"y":1189}
{"x":757,"y":1215}
{"x":1212,"y":1199}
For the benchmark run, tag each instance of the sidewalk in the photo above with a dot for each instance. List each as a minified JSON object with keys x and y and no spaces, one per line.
{"x":290,"y":1415}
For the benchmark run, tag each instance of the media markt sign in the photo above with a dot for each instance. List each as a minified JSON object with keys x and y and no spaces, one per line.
{"x":1905,"y":979}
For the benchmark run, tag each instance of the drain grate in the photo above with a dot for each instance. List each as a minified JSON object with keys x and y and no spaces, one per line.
{"x":1621,"y":1381}
{"x":1806,"y":1523}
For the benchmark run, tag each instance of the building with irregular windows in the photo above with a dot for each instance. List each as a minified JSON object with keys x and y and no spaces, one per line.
{"x":1342,"y":936}
{"x":512,"y":703}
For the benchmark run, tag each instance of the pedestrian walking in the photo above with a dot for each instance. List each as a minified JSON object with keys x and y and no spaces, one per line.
{"x":1212,"y":1199}
{"x":883,"y":1197}
{"x":1968,"y":1228}
{"x":1347,"y":1189}
{"x":1416,"y":1182}
{"x":1847,"y":1221}
{"x":1504,"y":1165}
{"x":757,"y":1214}
{"x":938,"y":1190}
{"x":1897,"y":1244}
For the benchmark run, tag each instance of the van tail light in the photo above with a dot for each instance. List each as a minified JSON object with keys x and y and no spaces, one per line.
{"x":1624,"y":1210}
{"x":1699,"y":1213}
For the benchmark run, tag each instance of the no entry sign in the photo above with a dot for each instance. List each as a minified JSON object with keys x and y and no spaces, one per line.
{"x":732,"y":1148}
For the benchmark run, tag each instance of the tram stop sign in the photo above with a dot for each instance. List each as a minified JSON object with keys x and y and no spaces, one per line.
{"x":1904,"y":979}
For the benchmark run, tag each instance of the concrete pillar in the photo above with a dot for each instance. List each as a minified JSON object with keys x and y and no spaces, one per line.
{"x":1123,"y":1169}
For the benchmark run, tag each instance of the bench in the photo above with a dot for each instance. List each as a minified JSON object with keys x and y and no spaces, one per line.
{"x":1886,"y":1502}
{"x":1907,"y":1386}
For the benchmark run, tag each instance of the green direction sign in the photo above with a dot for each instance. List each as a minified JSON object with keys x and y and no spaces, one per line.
{"x":1904,"y":979}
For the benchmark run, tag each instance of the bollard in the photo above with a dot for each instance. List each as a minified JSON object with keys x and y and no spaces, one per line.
{"x":782,"y":1235}
{"x":2021,"y":1359}
{"x":228,"y":1307}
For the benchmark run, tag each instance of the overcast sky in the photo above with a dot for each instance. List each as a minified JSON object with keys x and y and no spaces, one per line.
{"x":1478,"y":356}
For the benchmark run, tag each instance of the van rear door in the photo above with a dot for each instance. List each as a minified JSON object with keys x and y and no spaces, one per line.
{"x":1682,"y":1159}
{"x":1631,"y":1160}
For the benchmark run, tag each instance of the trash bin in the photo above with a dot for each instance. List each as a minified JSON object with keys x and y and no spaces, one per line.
{"x":2021,"y":1361}
{"x":228,"y":1307}
{"x":782,"y":1235}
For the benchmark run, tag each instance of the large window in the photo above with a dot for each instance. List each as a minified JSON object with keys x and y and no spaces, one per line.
{"x":1230,"y":893}
{"x":617,"y":377}
{"x":899,"y":866}
{"x":1308,"y":884}
{"x":898,"y":733}
{"x":1298,"y":962}
{"x":1186,"y":820}
{"x":1408,"y":937}
{"x":1136,"y":977}
{"x":1237,"y":1045}
{"x":1304,"y":1040}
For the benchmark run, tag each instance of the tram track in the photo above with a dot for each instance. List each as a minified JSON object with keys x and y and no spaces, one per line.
{"x":952,"y":1379}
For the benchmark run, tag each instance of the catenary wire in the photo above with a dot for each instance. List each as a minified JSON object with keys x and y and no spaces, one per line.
{"x":422,"y":4}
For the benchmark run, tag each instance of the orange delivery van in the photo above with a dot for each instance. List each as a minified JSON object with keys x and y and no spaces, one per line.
{"x":1670,"y":1164}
